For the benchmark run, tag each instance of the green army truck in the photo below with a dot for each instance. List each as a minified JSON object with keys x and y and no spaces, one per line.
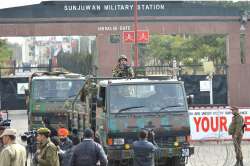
{"x":123,"y":107}
{"x":50,"y":99}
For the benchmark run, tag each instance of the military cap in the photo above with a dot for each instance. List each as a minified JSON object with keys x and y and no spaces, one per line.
{"x":233,"y":108}
{"x":9,"y":132}
{"x":122,"y":57}
{"x":43,"y":131}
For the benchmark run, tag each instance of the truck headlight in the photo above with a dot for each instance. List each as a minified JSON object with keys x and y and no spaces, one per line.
{"x":126,"y":146}
{"x":118,"y":141}
{"x":176,"y":143}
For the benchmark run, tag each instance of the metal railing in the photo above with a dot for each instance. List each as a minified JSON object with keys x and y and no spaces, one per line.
{"x":15,"y":71}
{"x":179,"y":70}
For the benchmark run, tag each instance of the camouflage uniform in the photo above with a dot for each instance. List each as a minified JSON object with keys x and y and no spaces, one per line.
{"x":235,"y":129}
{"x":88,"y":88}
{"x":120,"y":71}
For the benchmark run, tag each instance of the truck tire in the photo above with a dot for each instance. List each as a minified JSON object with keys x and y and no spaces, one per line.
{"x":120,"y":163}
{"x":176,"y":161}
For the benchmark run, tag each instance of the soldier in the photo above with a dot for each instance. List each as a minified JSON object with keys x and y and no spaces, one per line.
{"x":13,"y":154}
{"x":1,"y":141}
{"x":88,"y":88}
{"x":143,"y":150}
{"x":122,"y":69}
{"x":236,"y":130}
{"x":47,"y":154}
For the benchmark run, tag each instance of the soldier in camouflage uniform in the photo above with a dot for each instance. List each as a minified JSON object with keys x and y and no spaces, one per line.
{"x":47,"y":153}
{"x":122,"y":69}
{"x":236,"y":130}
{"x":88,"y":88}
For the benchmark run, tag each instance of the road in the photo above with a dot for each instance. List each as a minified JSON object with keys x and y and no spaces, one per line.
{"x":206,"y":153}
{"x":19,"y":121}
{"x":218,"y":154}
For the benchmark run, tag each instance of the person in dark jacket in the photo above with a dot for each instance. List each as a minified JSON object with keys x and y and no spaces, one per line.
{"x":75,"y":136}
{"x":88,"y":153}
{"x":143,"y":150}
{"x":68,"y":154}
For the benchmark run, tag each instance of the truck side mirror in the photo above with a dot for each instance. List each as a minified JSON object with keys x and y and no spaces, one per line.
{"x":190,"y":99}
{"x":26,"y":92}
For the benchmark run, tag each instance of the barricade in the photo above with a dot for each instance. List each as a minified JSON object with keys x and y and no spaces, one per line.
{"x":211,"y":123}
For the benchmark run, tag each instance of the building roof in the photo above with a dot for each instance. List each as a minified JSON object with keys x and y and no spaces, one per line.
{"x":105,"y":83}
{"x":62,"y":9}
{"x":69,"y":76}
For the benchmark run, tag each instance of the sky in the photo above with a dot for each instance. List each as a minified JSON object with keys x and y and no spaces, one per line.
{"x":14,"y":3}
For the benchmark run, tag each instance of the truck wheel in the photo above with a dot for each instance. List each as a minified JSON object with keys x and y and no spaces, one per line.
{"x":120,"y":163}
{"x":176,"y":161}
{"x":111,"y":163}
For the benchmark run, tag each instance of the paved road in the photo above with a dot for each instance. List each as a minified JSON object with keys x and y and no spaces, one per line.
{"x":19,"y":121}
{"x":206,"y":153}
{"x":218,"y":154}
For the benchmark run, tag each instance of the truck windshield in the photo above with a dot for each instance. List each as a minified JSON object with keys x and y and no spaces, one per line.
{"x":55,"y":89}
{"x":146,"y":98}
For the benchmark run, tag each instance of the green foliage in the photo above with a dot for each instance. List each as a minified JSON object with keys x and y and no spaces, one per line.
{"x":187,"y":49}
{"x":77,"y":63}
{"x":241,"y":5}
{"x":5,"y":52}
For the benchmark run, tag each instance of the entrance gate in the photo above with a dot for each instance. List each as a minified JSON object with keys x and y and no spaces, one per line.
{"x":12,"y":95}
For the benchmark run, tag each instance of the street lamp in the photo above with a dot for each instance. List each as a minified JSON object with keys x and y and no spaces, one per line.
{"x":243,"y":21}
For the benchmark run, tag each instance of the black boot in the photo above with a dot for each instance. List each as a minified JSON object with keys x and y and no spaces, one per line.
{"x":241,"y":163}
{"x":237,"y":163}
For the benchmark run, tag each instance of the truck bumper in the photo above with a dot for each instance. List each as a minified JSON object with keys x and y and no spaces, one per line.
{"x":161,"y":153}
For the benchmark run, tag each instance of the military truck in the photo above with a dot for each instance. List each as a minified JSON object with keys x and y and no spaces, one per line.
{"x":50,"y":97}
{"x":122,"y":107}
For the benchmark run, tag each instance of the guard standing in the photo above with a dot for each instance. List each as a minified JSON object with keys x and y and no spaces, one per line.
{"x":13,"y":154}
{"x":47,"y":153}
{"x":236,"y":130}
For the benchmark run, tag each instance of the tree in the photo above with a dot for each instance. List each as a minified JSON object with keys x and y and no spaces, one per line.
{"x":5,"y":52}
{"x":187,"y":49}
{"x":77,"y":63}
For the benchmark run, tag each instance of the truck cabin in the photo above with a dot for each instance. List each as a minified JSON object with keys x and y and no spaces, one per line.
{"x":50,"y":97}
{"x":131,"y":105}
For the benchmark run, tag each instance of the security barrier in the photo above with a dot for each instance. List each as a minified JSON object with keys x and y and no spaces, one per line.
{"x":212,"y":123}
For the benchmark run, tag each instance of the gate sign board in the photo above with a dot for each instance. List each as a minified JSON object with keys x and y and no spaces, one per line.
{"x":204,"y":86}
{"x":142,"y":36}
{"x":128,"y":36}
{"x":21,"y":87}
{"x":213,"y":124}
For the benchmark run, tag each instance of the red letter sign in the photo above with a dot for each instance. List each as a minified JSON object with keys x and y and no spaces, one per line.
{"x":128,"y":36}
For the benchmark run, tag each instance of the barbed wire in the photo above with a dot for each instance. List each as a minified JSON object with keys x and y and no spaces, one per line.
{"x":217,"y":153}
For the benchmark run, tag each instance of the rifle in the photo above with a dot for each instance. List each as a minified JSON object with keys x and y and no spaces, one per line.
{"x":243,"y":127}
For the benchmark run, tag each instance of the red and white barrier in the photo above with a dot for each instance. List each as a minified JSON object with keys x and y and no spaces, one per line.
{"x":213,"y":123}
